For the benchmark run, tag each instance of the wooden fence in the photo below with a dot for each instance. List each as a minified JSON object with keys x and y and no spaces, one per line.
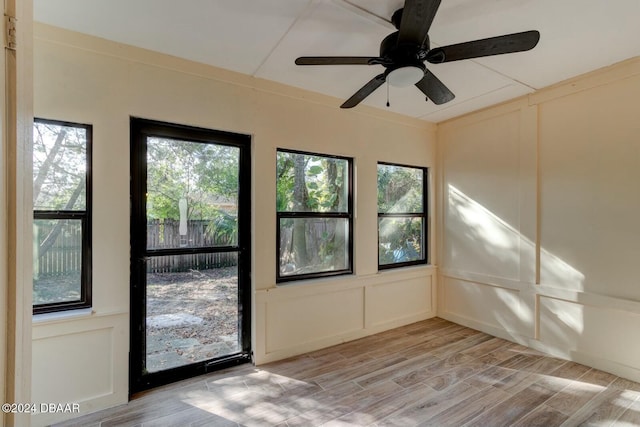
{"x":165,"y":234}
{"x":195,"y":262}
{"x":65,"y":255}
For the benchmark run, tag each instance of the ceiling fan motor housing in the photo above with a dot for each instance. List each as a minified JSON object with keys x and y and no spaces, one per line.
{"x":402,"y":54}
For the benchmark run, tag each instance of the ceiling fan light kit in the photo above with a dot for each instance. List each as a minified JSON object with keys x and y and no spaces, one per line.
{"x":405,"y":76}
{"x":404,"y":52}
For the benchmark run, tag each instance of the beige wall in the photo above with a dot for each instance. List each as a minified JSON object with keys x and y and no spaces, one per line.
{"x":539,"y":232}
{"x":87,"y":80}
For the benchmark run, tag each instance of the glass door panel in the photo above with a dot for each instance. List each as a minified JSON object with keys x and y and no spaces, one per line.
{"x":192,"y":309}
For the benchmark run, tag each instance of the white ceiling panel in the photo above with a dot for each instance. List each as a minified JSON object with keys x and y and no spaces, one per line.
{"x":234,"y":34}
{"x":575,"y":36}
{"x":470,"y":104}
{"x":327,"y":30}
{"x":263,"y":38}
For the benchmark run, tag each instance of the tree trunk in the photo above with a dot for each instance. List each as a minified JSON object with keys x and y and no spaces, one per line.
{"x":340,"y":254}
{"x":300,"y":200}
{"x":48,"y":162}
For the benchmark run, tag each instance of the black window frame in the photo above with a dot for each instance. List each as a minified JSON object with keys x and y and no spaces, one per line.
{"x":424,"y":216}
{"x":304,"y":215}
{"x":85,"y":218}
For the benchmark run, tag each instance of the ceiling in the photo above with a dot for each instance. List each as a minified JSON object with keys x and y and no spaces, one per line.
{"x":262,"y":39}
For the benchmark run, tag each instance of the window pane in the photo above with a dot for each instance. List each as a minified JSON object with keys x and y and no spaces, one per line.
{"x":57,"y":269}
{"x":192,"y":194}
{"x":400,"y":240}
{"x":59,"y":167}
{"x":400,"y":189}
{"x":192,"y":309}
{"x":308,"y":183}
{"x":313,"y":245}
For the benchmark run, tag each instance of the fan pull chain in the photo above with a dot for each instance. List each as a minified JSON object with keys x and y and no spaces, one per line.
{"x":388,"y":104}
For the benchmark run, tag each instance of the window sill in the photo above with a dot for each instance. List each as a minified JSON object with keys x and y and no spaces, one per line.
{"x":407,"y":269}
{"x":62,"y":315}
{"x":392,"y":267}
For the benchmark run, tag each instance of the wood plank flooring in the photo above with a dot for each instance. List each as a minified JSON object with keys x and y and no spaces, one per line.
{"x":431,"y":373}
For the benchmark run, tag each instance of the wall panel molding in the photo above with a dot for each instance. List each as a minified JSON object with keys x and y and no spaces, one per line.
{"x":90,"y":352}
{"x":577,"y":192}
{"x":547,"y":290}
{"x":301,"y":318}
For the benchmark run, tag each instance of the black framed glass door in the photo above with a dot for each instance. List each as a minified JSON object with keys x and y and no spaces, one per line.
{"x":190,"y":252}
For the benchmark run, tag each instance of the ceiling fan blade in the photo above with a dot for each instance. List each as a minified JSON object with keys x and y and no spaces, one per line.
{"x":416,"y":20}
{"x":364,"y":91}
{"x":435,"y":90}
{"x":336,"y":60}
{"x":508,"y":43}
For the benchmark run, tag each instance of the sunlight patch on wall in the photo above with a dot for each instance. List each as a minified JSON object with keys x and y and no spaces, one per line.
{"x":571,"y":315}
{"x":501,"y":239}
{"x":487,"y":225}
{"x":478,"y":241}
{"x":553,"y":270}
{"x":493,"y":306}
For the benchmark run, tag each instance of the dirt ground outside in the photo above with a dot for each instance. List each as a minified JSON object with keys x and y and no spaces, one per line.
{"x":191,"y":317}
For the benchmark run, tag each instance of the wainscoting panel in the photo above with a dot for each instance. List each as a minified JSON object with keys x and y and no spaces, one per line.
{"x":599,"y":335}
{"x":67,"y":355}
{"x":295,"y":319}
{"x":398,"y":301}
{"x":85,"y":353}
{"x":311,"y":318}
{"x":483,"y":306}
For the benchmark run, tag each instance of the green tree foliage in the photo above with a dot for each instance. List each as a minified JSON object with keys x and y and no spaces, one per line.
{"x":205,"y":175}
{"x":399,"y":189}
{"x":284,"y":179}
{"x":320,"y":186}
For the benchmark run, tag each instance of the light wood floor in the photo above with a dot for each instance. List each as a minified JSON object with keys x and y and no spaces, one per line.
{"x":429,"y":373}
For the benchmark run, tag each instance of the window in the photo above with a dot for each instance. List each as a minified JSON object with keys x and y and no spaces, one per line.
{"x":314,"y":214}
{"x":402,"y":216}
{"x":62,"y":216}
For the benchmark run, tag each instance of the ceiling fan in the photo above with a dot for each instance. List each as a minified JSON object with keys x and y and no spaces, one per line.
{"x":404,"y":52}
